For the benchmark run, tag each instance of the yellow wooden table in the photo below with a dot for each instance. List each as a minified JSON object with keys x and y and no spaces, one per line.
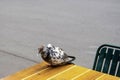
{"x":68,"y":72}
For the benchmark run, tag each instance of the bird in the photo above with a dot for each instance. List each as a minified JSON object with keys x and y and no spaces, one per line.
{"x":55,"y":56}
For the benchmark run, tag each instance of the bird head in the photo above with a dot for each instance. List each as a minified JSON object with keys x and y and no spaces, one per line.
{"x":41,"y":49}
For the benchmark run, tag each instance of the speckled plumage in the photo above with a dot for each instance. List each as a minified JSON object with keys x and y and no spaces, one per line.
{"x":54,"y":55}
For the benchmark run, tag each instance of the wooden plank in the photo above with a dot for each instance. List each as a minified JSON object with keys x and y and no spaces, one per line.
{"x":69,"y":74}
{"x":108,"y":77}
{"x":39,"y":71}
{"x":89,"y":75}
{"x":51,"y":71}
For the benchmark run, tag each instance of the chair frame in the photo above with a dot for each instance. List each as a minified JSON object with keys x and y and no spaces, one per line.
{"x":107,"y":59}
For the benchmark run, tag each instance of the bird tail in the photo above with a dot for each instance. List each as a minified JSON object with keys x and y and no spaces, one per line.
{"x":72,"y":59}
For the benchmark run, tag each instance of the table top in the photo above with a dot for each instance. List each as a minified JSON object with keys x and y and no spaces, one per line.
{"x":43,"y":71}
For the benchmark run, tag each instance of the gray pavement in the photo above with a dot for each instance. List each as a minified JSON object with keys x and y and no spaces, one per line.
{"x":78,"y":26}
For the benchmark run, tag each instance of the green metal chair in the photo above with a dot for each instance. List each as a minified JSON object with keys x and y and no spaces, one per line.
{"x":107,"y":60}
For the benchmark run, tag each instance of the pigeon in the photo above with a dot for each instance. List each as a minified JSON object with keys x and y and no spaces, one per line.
{"x":55,"y":56}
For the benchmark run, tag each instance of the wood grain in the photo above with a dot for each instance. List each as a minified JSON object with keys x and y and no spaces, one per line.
{"x":43,"y":71}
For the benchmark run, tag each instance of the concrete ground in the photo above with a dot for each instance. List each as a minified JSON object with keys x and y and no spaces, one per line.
{"x":77,"y":26}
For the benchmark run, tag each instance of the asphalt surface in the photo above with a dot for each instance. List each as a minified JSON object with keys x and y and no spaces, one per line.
{"x":77,"y":26}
